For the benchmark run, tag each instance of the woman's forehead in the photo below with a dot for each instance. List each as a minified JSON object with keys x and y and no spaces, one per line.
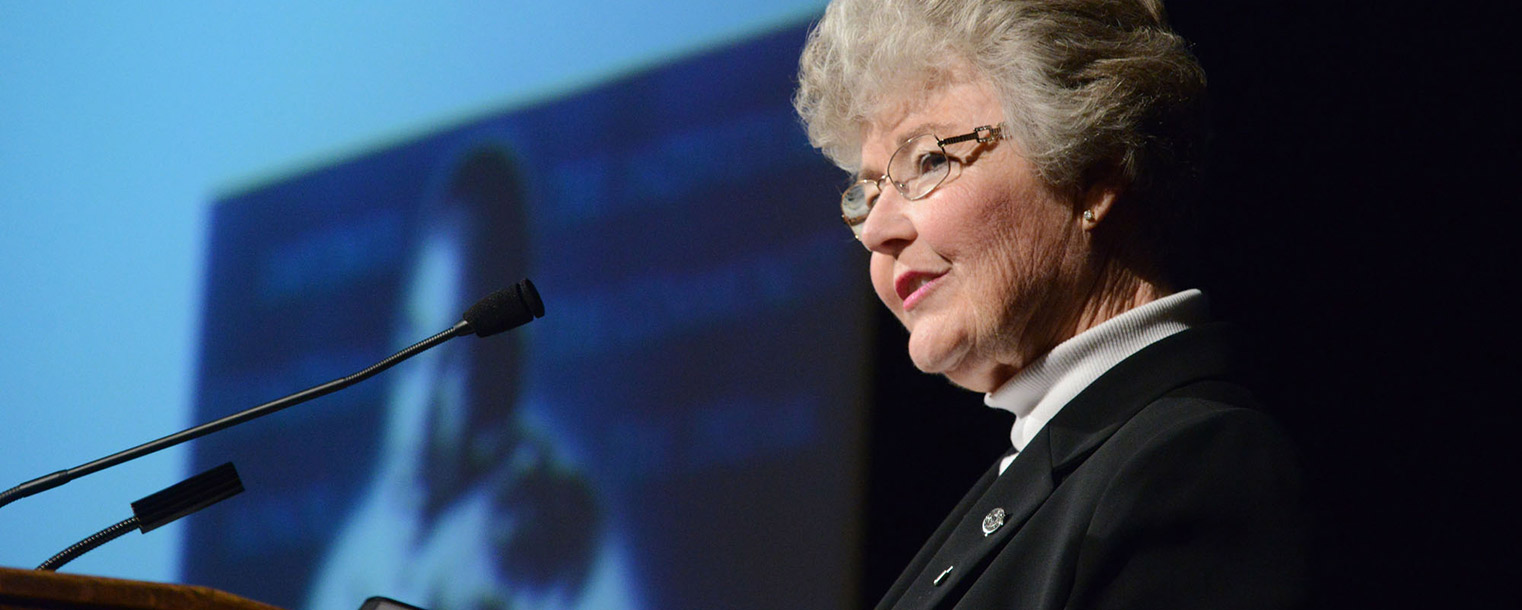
{"x":953,"y":107}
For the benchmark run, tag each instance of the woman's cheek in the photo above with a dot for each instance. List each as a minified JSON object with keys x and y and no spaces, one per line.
{"x":882,"y":283}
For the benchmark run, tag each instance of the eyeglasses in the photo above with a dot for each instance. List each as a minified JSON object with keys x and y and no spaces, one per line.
{"x":916,"y":169}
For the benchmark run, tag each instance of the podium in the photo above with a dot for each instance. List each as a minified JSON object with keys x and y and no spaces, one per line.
{"x":33,"y":590}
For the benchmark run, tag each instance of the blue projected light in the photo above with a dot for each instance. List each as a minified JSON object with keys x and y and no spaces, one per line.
{"x":124,"y":123}
{"x":691,"y":387}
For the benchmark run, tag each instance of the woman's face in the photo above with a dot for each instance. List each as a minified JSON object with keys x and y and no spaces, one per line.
{"x":984,"y":272}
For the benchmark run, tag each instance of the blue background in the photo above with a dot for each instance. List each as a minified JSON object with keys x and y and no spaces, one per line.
{"x":700,"y":365}
{"x":124,"y":123}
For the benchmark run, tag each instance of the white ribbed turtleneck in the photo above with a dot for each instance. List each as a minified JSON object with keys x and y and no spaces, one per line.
{"x":1037,"y":392}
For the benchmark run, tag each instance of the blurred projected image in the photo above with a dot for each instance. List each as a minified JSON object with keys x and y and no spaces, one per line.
{"x":469,"y":507}
{"x":680,"y":430}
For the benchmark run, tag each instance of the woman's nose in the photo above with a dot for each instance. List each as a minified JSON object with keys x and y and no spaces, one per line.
{"x":888,"y":226}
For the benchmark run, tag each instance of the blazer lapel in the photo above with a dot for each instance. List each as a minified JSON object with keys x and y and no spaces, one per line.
{"x":927,"y":552}
{"x":1108,"y":403}
{"x":981,"y":528}
{"x":955,"y":555}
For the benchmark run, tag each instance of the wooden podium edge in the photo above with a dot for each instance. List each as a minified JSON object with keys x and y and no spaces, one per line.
{"x":31,"y":589}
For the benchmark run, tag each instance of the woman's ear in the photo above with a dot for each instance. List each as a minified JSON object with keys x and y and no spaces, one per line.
{"x":1097,"y":203}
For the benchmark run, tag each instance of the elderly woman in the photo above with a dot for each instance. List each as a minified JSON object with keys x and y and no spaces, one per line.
{"x":1022,"y":173}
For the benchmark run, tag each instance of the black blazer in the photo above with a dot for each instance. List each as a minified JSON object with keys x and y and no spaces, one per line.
{"x":1156,"y":487}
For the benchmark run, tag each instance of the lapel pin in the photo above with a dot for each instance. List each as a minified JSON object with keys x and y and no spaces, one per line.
{"x":993,"y":521}
{"x":942,"y":578}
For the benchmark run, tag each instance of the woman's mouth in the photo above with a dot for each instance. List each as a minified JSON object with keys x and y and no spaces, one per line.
{"x":913,"y":286}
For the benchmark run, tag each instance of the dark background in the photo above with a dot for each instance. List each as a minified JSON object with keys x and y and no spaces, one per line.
{"x":1359,"y":205}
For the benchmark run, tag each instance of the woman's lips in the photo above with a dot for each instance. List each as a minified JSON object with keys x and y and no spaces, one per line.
{"x":912,"y":286}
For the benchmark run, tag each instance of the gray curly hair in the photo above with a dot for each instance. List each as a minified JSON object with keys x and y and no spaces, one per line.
{"x":1092,"y":89}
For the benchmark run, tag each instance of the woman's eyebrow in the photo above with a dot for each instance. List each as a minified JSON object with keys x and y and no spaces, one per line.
{"x":919,"y":129}
{"x":902,"y":135}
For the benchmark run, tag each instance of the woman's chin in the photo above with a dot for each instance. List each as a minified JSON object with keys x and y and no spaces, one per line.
{"x":934,"y":352}
{"x":952,"y":358}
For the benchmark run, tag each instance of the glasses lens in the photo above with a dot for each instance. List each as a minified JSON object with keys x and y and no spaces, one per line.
{"x":856,"y":203}
{"x":918,"y":166}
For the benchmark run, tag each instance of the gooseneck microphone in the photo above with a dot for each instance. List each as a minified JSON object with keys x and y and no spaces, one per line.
{"x":500,"y":311}
{"x":160,"y":509}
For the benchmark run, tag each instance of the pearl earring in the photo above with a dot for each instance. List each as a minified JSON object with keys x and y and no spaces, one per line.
{"x":1088,"y":215}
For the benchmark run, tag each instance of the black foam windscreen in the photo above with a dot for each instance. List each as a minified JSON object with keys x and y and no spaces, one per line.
{"x":187,"y":496}
{"x":505,"y":309}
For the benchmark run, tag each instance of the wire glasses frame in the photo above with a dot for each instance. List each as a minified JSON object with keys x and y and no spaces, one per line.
{"x":916,"y":169}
